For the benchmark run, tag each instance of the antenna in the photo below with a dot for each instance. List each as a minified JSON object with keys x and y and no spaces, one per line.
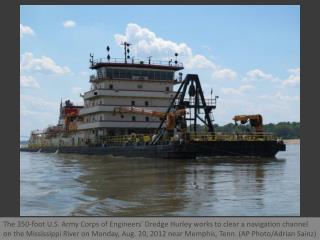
{"x":108,"y":56}
{"x":126,"y":46}
{"x":149,"y":59}
{"x":91,"y":58}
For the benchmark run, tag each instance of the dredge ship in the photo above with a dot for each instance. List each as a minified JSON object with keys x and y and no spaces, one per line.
{"x":132,"y":110}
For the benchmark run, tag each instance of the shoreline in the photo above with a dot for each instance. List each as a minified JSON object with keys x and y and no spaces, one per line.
{"x":292,"y":141}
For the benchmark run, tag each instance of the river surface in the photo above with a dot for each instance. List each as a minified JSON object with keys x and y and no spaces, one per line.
{"x":79,"y":185}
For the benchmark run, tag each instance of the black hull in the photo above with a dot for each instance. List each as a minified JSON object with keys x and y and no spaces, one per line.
{"x":176,"y":150}
{"x":239,"y":148}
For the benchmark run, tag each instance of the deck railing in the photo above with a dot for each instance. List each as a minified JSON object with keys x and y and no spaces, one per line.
{"x":209,"y":101}
{"x":143,"y":139}
{"x":232,"y":137}
{"x":137,"y":61}
{"x":194,"y":137}
{"x":127,"y":139}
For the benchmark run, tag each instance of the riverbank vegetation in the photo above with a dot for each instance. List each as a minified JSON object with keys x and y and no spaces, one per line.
{"x":285,"y":130}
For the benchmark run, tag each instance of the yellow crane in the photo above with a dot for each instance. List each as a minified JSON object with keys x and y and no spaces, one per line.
{"x":172,"y":118}
{"x":255,"y":121}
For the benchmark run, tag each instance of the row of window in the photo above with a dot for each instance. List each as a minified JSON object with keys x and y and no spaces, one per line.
{"x":133,"y":118}
{"x":134,"y":74}
{"x":140,"y":86}
{"x":133,"y":103}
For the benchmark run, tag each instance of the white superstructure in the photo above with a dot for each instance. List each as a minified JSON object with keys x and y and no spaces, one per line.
{"x":125,"y":83}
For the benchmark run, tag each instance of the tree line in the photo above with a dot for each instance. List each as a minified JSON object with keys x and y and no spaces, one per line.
{"x":285,"y":130}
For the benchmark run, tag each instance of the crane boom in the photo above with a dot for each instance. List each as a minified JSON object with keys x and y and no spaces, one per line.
{"x":170,"y":116}
{"x":139,"y":111}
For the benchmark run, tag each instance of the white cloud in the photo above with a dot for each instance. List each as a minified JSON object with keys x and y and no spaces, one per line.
{"x":199,"y":61}
{"x":69,"y":24}
{"x":25,"y":30}
{"x":28,"y":82}
{"x":237,"y":91}
{"x":224,"y":73}
{"x":146,"y":43}
{"x":42,"y":64}
{"x":257,"y":74}
{"x":293,"y":79}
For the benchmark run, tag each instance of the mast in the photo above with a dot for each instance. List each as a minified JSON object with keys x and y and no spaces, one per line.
{"x":126,"y":46}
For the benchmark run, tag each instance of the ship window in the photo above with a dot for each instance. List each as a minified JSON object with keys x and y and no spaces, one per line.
{"x":122,"y":74}
{"x":133,"y":103}
{"x":136,"y":73}
{"x":162,"y":75}
{"x":146,"y":103}
{"x":127,"y":73}
{"x":99,"y":72}
{"x":151,"y":75}
{"x":95,"y":93}
{"x":140,"y":86}
{"x":109,"y":73}
{"x":100,"y":118}
{"x":133,"y":118}
{"x":100,"y":102}
{"x":147,"y":119}
{"x":167,"y":89}
{"x":144,"y":74}
{"x":116,"y":73}
{"x":111,"y":86}
{"x":157,"y":75}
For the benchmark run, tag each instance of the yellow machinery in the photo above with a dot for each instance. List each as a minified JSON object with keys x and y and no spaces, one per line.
{"x":172,"y":118}
{"x":71,"y":121}
{"x":255,"y":121}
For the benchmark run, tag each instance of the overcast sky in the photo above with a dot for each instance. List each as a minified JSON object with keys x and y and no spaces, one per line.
{"x":248,"y":55}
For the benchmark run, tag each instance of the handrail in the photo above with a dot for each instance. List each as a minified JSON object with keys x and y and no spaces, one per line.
{"x":138,"y":139}
{"x":209,"y":101}
{"x":137,"y":61}
{"x":232,"y":137}
{"x":194,"y":137}
{"x":127,"y":139}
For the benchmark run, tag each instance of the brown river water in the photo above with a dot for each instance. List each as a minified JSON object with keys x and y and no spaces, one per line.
{"x":80,"y":185}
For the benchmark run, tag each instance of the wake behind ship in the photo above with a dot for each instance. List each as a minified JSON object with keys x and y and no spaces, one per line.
{"x":132,"y":110}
